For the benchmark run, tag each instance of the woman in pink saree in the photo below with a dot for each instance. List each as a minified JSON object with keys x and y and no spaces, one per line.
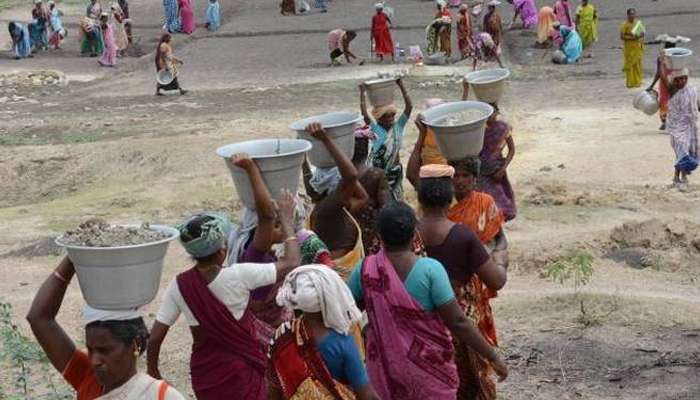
{"x":562,"y":10}
{"x":526,"y":10}
{"x":109,"y":55}
{"x":187,"y":21}
{"x":412,"y":311}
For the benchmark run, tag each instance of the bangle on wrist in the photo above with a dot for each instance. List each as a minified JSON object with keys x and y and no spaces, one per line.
{"x":289,"y":239}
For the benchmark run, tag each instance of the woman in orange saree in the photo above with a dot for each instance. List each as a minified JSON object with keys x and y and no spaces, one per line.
{"x":479,"y":212}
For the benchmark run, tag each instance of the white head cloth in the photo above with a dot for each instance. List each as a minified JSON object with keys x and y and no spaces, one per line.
{"x":317,"y":288}
{"x":90,"y":315}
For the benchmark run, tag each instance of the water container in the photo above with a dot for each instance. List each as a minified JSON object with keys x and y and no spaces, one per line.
{"x":647,"y":102}
{"x":678,"y":57}
{"x":381,"y":91}
{"x":438,"y":58}
{"x":458,"y":142}
{"x":123,"y":277}
{"x":488,"y":84}
{"x":558,"y":57}
{"x":279,"y":161}
{"x":339,"y":126}
{"x":165,"y":77}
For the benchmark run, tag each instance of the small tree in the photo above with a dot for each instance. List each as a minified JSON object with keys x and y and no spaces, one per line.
{"x":575,"y":267}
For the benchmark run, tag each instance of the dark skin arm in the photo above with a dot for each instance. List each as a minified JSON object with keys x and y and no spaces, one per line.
{"x":346,"y":50}
{"x":501,"y":173}
{"x":363,"y":104}
{"x":59,"y":348}
{"x":406,"y":98}
{"x":515,"y":17}
{"x":415,"y":160}
{"x":264,"y":205}
{"x":468,"y":334}
{"x":493,"y":274}
{"x":657,"y":76}
{"x":352,"y":195}
{"x":155,"y":340}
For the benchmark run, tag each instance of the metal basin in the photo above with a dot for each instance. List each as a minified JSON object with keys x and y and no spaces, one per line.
{"x":279,"y":161}
{"x":488,"y":84}
{"x":340,"y":127}
{"x":679,"y":57}
{"x":381,"y":91}
{"x":123,"y":277}
{"x":458,"y":141}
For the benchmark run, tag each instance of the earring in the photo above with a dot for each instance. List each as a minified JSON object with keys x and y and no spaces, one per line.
{"x":137,"y":352}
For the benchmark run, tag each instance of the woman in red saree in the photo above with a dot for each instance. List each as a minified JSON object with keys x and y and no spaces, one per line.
{"x":383,"y":43}
{"x":227,"y":359}
{"x":662,"y":76}
{"x":465,"y":40}
{"x":411,"y":310}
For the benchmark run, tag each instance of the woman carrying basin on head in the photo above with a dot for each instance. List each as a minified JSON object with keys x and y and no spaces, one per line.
{"x":389,"y":136}
{"x":253,"y":239}
{"x":227,"y":360}
{"x":114,"y":340}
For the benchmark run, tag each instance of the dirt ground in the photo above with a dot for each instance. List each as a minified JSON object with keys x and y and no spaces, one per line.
{"x":591,"y":174}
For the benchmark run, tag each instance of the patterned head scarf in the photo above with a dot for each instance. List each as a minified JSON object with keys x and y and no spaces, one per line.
{"x":213,"y":236}
{"x":313,"y":250}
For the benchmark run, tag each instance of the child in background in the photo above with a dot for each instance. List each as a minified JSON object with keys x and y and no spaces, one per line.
{"x":213,"y":18}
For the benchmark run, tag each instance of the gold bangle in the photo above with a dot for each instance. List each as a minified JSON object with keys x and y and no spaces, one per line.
{"x":290,"y":238}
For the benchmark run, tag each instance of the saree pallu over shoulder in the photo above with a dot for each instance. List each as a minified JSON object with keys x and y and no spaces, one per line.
{"x":298,"y":369}
{"x":409,"y":351}
{"x":230,"y":363}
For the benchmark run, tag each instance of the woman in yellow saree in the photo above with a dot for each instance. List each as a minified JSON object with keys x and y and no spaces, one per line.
{"x":587,"y":26}
{"x":632,"y":34}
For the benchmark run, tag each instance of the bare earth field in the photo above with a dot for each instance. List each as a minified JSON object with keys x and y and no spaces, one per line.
{"x":591,"y":175}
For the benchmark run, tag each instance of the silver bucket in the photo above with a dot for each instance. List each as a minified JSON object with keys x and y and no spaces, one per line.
{"x":279,"y":161}
{"x":679,"y":57}
{"x":381,"y":91}
{"x":459,"y":141}
{"x":340,"y":128}
{"x":488,"y":84}
{"x":123,"y":277}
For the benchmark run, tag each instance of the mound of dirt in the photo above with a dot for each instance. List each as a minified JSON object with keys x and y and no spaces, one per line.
{"x":658,"y":235}
{"x":554,"y":194}
{"x":41,"y":248}
{"x":98,"y":233}
{"x":654,"y":243}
